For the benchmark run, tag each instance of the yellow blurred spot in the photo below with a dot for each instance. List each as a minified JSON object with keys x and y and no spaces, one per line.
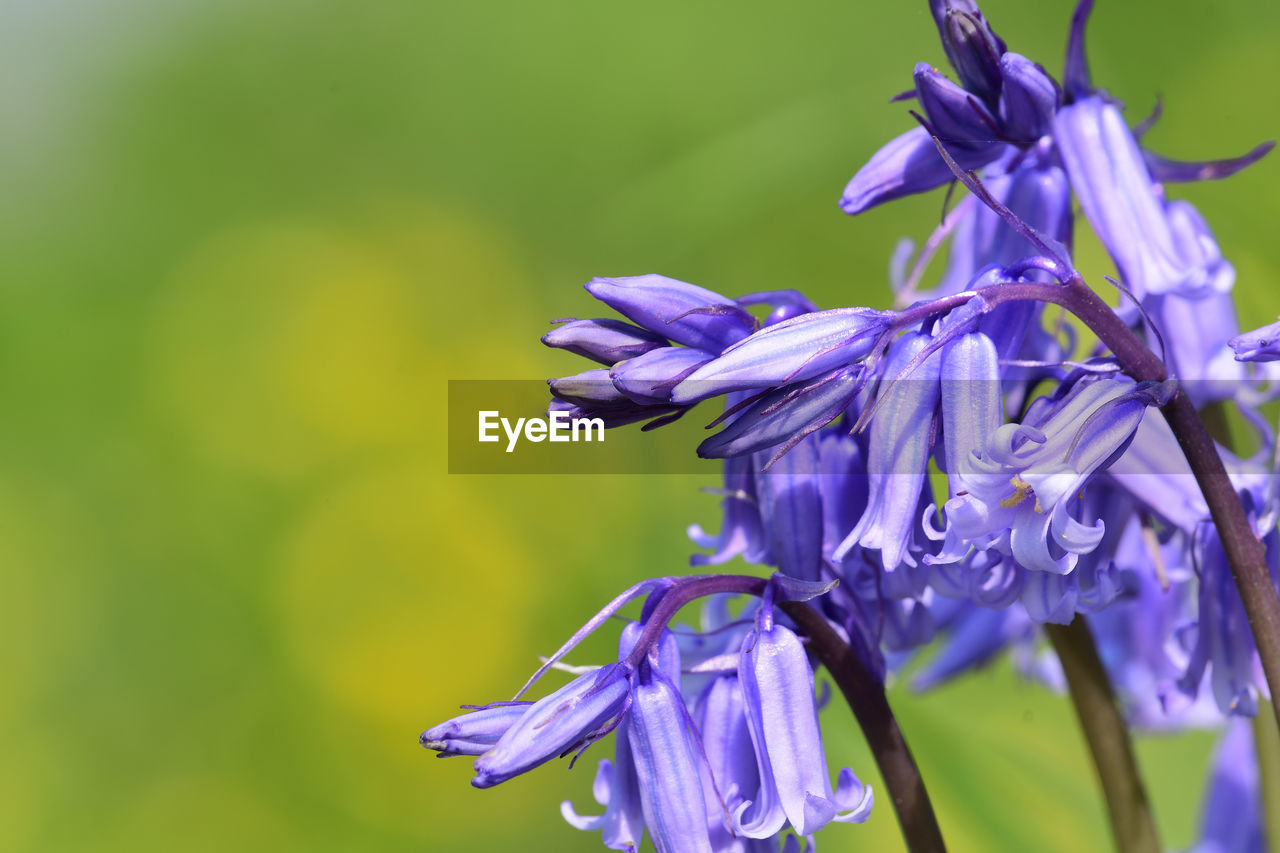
{"x":283,"y":347}
{"x":400,"y":598}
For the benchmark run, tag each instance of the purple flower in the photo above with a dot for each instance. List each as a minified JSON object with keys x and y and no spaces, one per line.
{"x":475,"y":732}
{"x":791,"y":510}
{"x":1118,"y":196}
{"x":972,"y":47}
{"x":606,"y":341}
{"x":784,"y":416}
{"x":956,"y":117}
{"x":906,"y":165}
{"x":1223,"y":642}
{"x":667,"y":765}
{"x":1028,"y":100}
{"x":1232,"y":819}
{"x":617,"y":789}
{"x":1262,"y":344}
{"x":685,"y":313}
{"x":742,"y":530}
{"x":791,"y":351}
{"x":777,"y":685}
{"x":901,"y":440}
{"x":648,"y":379}
{"x":582,"y":711}
{"x":1024,"y":480}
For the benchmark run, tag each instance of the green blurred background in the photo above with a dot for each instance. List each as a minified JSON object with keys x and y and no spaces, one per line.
{"x":244,"y":245}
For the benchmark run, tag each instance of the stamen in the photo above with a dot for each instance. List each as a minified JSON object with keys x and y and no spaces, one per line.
{"x":1021,"y":488}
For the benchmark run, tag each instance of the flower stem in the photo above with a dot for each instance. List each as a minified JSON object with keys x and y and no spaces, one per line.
{"x":1266,"y":743}
{"x":865,"y":695}
{"x":1108,"y":739}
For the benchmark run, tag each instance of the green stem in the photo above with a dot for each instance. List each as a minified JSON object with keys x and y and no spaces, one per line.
{"x":1266,"y":743}
{"x":1104,"y":730}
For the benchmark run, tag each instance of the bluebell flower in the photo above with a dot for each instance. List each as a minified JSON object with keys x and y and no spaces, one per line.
{"x":898,"y":454}
{"x":791,"y":510}
{"x":475,"y":732}
{"x":667,"y":765}
{"x":795,"y":788}
{"x":972,"y":47}
{"x":685,"y":313}
{"x":583,"y":710}
{"x":906,"y":165}
{"x":648,"y":379}
{"x":781,"y":418}
{"x":1029,"y":98}
{"x":1223,"y":643}
{"x":606,"y":341}
{"x":1231,"y":819}
{"x":741,"y":528}
{"x":1261,"y":344}
{"x":1023,"y":481}
{"x":616,"y":787}
{"x":791,"y":351}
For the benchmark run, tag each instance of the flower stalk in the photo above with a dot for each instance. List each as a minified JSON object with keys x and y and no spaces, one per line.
{"x":1104,"y":730}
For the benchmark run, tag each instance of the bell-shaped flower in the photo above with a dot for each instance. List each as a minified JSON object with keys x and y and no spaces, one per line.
{"x":971,"y":406}
{"x":607,"y":341}
{"x":668,"y":766}
{"x":1206,"y":271}
{"x":791,"y":510}
{"x":791,"y":351}
{"x":1026,"y":476}
{"x":1139,"y":635}
{"x":777,"y":685}
{"x":906,"y":165}
{"x":475,"y":732}
{"x":685,"y":313}
{"x":1203,"y":359}
{"x":1028,"y":100}
{"x":1117,"y":195}
{"x":648,"y":379}
{"x":1261,"y":344}
{"x":721,"y":718}
{"x":783,"y":417}
{"x":1231,"y":817}
{"x":972,"y":47}
{"x":1223,"y":642}
{"x":581,"y":711}
{"x":616,"y":788}
{"x":591,"y":388}
{"x":741,"y":530}
{"x":958,"y":119}
{"x":902,"y":428}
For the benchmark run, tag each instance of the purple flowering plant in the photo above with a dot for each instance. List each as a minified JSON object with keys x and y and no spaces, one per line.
{"x":960,"y":471}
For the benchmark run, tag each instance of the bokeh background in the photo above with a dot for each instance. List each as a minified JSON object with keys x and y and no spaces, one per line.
{"x":244,"y":245}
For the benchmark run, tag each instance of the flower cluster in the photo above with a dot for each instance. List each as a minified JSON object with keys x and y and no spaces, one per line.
{"x":717,"y":745}
{"x":956,"y":471}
